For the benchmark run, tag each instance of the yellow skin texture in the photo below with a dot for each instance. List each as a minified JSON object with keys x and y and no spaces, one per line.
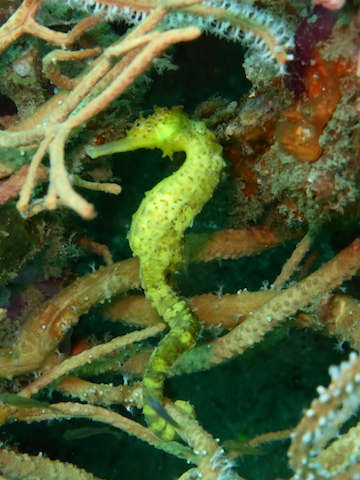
{"x":157,"y":232}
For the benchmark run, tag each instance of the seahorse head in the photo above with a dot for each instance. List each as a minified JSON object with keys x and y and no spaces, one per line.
{"x":158,"y":130}
{"x":163,"y":129}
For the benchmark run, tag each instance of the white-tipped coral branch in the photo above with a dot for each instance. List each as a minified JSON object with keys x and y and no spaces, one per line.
{"x":321,"y":424}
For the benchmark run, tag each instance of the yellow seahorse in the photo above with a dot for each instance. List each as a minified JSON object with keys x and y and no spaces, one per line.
{"x":157,"y":231}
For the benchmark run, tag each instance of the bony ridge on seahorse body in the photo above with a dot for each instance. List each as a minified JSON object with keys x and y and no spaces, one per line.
{"x":157,"y":232}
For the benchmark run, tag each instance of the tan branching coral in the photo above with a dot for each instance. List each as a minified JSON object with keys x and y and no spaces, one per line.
{"x":208,"y":455}
{"x":272,"y":313}
{"x":138,"y":50}
{"x":16,"y":465}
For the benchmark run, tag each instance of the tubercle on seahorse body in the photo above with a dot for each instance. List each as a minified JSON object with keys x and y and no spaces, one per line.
{"x":157,"y":231}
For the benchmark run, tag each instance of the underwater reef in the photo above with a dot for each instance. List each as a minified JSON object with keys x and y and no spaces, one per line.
{"x":179,"y":241}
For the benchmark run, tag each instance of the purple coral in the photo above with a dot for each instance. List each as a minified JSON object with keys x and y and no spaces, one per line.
{"x":315,"y":28}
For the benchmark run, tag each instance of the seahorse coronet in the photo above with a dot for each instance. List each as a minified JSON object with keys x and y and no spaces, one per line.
{"x":157,"y":231}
